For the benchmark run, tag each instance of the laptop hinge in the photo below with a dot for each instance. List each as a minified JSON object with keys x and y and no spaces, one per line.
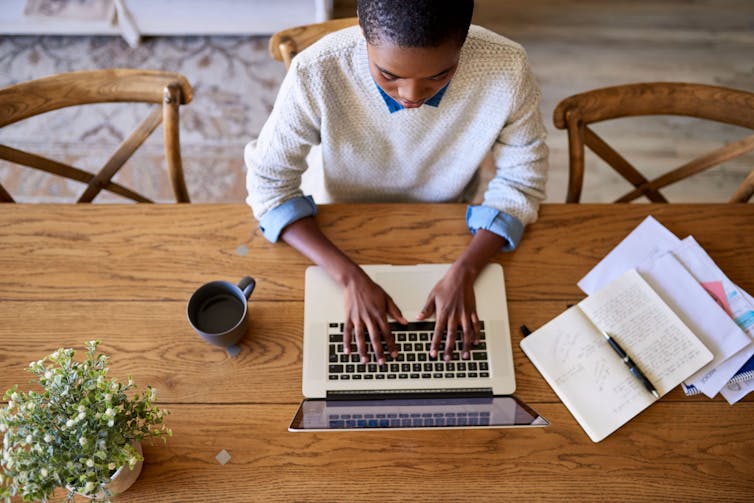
{"x":376,"y":394}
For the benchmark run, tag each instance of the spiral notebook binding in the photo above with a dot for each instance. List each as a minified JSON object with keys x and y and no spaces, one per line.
{"x":743,"y":377}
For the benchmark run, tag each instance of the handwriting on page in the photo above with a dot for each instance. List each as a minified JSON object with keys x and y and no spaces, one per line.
{"x":581,"y":360}
{"x":646,"y":328}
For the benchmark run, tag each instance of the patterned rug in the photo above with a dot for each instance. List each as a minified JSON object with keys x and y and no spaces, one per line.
{"x":235,"y":82}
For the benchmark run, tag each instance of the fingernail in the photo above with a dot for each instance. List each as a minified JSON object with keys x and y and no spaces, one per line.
{"x":394,"y":354}
{"x":364,"y":359}
{"x":432,"y":353}
{"x":465,"y":355}
{"x":381,"y":361}
{"x":447,"y":358}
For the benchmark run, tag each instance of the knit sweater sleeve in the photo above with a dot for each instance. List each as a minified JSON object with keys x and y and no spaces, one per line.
{"x":520,"y":155}
{"x":276,"y":160}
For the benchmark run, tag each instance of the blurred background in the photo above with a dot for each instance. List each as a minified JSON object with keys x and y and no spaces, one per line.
{"x":221,"y":47}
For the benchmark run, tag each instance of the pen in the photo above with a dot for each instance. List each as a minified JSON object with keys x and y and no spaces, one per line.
{"x":630,"y":364}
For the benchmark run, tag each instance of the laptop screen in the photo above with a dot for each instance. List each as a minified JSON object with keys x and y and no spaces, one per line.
{"x":409,"y":413}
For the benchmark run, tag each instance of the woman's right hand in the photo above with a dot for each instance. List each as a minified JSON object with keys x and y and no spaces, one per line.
{"x":367,"y":307}
{"x":367,"y":304}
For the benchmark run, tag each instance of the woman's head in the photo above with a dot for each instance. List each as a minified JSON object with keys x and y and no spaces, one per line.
{"x":414,"y":46}
{"x":415,"y":23}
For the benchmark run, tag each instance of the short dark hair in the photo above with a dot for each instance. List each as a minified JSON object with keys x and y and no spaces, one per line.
{"x":415,"y":23}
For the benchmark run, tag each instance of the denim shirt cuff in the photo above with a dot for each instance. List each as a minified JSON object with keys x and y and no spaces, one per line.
{"x":279,"y":217}
{"x":497,"y":222}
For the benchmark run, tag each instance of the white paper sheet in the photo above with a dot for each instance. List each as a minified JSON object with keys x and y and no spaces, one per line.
{"x":649,"y":239}
{"x":683,"y":293}
{"x":651,"y":242}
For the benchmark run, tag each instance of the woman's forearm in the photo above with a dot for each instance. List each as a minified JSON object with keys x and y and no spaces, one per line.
{"x":305,"y":236}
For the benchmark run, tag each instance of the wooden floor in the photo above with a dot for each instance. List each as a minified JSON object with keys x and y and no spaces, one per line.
{"x":576,"y":45}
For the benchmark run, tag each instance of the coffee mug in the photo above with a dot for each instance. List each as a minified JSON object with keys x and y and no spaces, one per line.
{"x":218,"y":312}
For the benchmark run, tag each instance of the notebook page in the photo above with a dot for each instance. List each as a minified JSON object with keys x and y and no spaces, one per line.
{"x":648,"y":330}
{"x":587,"y":375}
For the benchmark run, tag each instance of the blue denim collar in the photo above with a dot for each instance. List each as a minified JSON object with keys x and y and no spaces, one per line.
{"x":394,"y":106}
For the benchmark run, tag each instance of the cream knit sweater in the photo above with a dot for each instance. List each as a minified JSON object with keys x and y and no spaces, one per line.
{"x":427,"y":154}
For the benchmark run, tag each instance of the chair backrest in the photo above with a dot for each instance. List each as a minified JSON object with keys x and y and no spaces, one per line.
{"x":719,"y":104}
{"x":285,"y":44}
{"x":167,"y":89}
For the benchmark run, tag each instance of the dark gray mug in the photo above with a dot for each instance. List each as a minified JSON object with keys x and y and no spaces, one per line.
{"x":218,"y":312}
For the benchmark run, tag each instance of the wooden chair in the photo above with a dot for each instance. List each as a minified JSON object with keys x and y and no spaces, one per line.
{"x":713,"y":103}
{"x":285,"y":44}
{"x":35,"y":97}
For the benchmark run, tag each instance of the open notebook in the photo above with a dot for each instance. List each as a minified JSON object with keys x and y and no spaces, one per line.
{"x":587,"y":374}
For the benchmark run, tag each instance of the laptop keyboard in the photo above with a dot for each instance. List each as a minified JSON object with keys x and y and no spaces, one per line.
{"x":414,"y":419}
{"x":413,"y":361}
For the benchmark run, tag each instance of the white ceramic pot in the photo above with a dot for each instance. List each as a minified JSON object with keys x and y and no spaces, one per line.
{"x":122,"y":479}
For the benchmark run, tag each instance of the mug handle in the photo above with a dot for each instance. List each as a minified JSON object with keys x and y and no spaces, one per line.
{"x":246,"y":285}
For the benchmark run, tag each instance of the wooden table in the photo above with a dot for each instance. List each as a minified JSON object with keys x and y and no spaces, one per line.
{"x":123,"y":274}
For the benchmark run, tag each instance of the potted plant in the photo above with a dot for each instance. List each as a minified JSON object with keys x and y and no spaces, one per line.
{"x":80,"y":431}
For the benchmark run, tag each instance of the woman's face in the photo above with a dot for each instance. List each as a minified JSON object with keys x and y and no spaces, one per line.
{"x":412,"y":75}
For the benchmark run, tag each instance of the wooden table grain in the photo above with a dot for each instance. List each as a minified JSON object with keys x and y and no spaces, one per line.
{"x":123,"y":274}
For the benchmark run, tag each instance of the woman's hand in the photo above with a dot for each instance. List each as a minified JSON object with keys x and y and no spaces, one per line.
{"x":453,"y":303}
{"x":452,"y":299}
{"x":367,"y":307}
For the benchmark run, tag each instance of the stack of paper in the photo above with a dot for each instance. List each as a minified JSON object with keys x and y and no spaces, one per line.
{"x":720,"y":313}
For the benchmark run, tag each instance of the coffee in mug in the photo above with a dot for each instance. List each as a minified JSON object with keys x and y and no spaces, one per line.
{"x":218,"y":311}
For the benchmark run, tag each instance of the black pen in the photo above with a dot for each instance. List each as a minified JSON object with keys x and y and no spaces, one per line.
{"x":630,"y":364}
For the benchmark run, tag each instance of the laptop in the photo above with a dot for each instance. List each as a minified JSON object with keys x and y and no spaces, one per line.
{"x":412,"y":390}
